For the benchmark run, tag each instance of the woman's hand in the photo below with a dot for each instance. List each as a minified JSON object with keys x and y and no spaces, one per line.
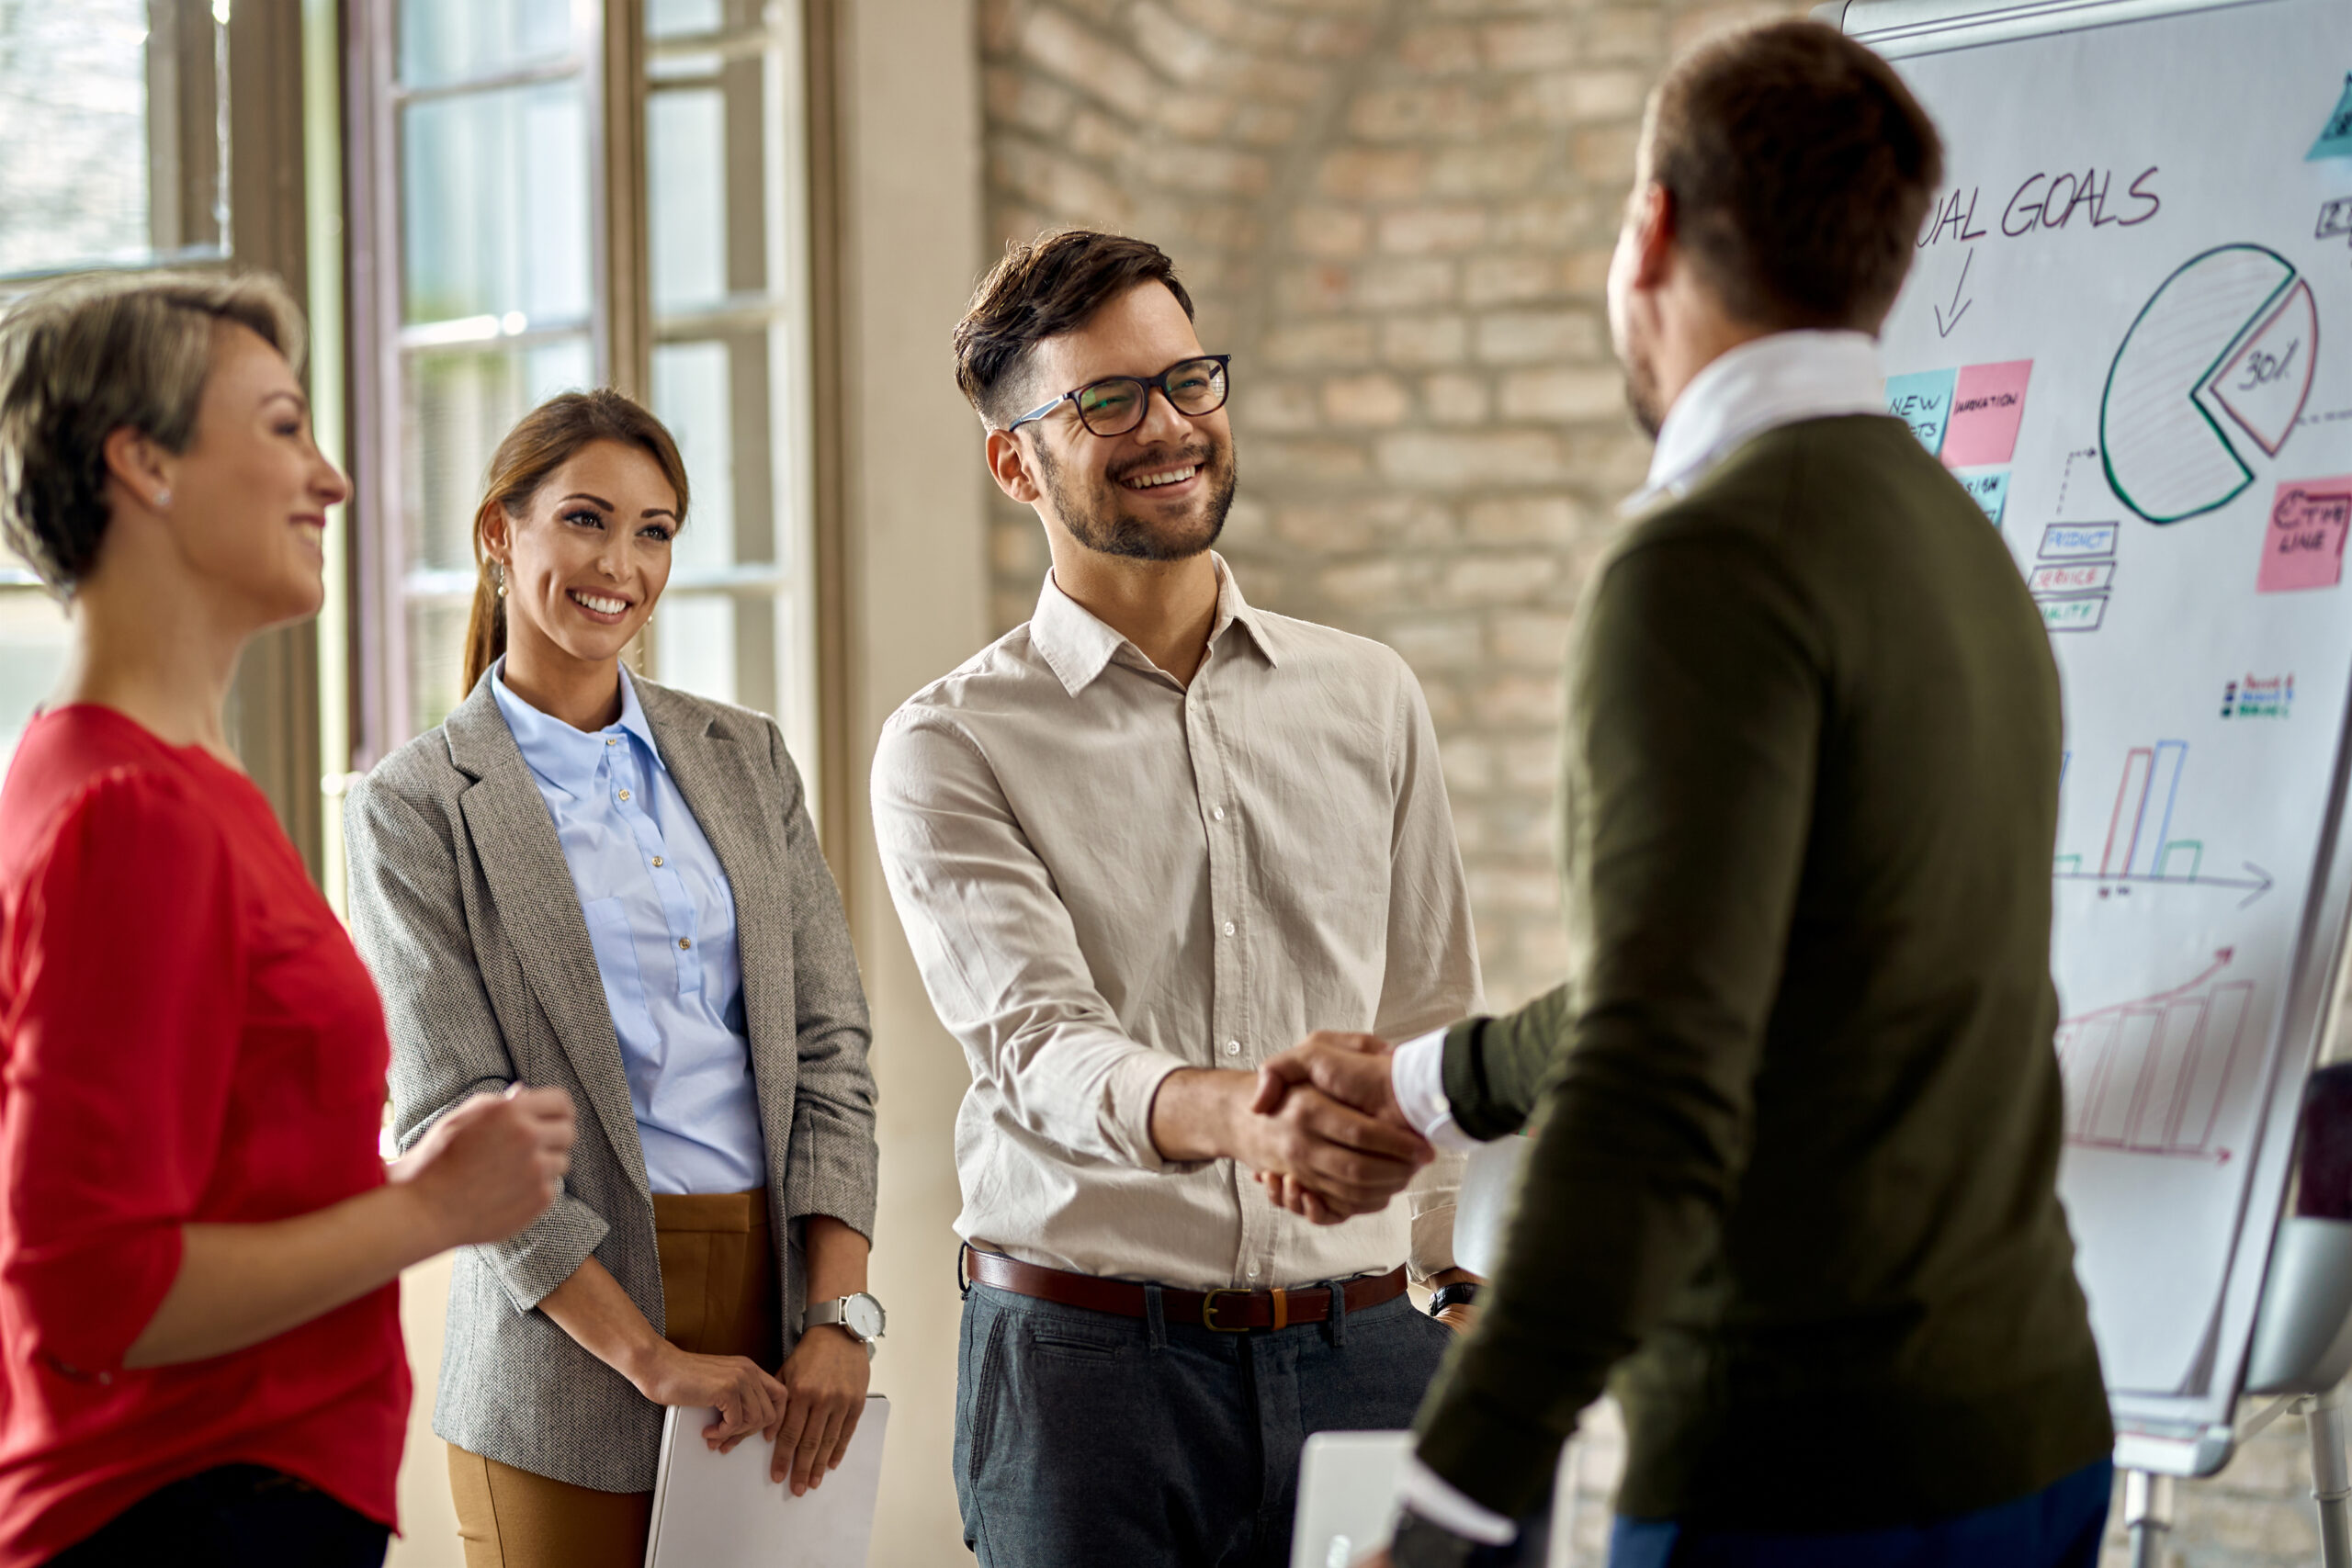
{"x":824,"y":1378}
{"x":746,"y":1398}
{"x":490,"y":1166}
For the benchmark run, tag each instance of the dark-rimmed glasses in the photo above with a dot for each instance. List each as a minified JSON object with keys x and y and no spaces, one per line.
{"x":1117,"y":404}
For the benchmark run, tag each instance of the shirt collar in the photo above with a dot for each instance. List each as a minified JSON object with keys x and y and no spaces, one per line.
{"x":1077,"y":645}
{"x":1759,"y":386}
{"x":565,"y":757}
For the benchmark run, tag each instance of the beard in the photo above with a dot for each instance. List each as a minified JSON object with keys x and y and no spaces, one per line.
{"x":1112,"y":531}
{"x":1641,"y":395}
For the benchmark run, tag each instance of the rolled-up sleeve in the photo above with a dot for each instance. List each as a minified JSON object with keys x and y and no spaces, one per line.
{"x":998,"y":953}
{"x":835,"y":1164}
{"x":409,"y":927}
{"x":127,"y":979}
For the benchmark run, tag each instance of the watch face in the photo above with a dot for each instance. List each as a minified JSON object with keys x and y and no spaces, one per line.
{"x":862,"y":1316}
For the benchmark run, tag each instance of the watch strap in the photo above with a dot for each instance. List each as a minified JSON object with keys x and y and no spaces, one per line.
{"x":1462,"y":1293}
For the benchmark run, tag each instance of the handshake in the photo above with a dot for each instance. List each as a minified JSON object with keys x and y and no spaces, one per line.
{"x":1324,"y":1133}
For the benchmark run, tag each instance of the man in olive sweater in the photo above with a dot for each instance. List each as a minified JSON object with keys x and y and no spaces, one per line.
{"x":1795,"y":1115}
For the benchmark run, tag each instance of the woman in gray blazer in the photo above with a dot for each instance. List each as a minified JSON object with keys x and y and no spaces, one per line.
{"x":586,"y":880}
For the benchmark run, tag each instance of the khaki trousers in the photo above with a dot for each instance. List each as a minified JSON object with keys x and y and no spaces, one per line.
{"x":720,"y":1293}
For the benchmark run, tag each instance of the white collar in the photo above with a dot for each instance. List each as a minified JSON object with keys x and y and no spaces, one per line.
{"x":1759,"y":386}
{"x":1077,"y":645}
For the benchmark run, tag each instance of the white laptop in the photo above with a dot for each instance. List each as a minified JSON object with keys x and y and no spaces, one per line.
{"x":1346,"y":1497}
{"x":713,"y":1510}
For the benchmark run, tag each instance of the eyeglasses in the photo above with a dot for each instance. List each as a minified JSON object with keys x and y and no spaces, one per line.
{"x":1117,"y":404}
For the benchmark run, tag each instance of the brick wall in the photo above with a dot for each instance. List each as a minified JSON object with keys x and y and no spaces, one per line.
{"x":1397,"y":215}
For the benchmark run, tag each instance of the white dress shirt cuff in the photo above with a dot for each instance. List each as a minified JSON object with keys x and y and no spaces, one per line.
{"x":1417,"y":1076}
{"x":1436,"y":1499}
{"x":1133,"y":1085}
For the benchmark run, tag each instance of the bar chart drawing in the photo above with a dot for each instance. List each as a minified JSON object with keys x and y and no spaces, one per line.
{"x":2153,"y":1075}
{"x":2137,"y":846}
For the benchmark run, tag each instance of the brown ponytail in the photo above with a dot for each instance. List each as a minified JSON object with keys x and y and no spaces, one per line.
{"x":546,"y":438}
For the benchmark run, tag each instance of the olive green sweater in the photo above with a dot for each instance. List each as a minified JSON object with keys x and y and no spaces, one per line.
{"x":1795,"y":1116}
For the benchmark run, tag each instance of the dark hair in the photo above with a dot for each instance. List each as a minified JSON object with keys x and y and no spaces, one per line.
{"x":545,"y":440}
{"x":1801,"y":169}
{"x":85,"y":358}
{"x":1051,"y":286}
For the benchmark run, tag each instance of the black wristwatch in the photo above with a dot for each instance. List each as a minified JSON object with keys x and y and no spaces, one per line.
{"x":1461,"y":1293}
{"x":1421,"y":1544}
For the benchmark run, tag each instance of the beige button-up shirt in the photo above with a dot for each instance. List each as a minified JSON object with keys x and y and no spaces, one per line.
{"x":1107,"y":875}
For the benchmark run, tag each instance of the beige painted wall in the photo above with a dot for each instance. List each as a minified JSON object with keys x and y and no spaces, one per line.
{"x":917,"y":606}
{"x":918,"y":593}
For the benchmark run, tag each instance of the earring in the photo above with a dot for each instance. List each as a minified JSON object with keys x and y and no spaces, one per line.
{"x":162,"y":498}
{"x":498,"y":572}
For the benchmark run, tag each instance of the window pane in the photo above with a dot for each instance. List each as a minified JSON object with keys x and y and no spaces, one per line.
{"x":448,"y":40}
{"x":494,"y":206}
{"x":110,"y":146}
{"x":460,"y":406}
{"x":686,"y":176}
{"x":32,"y":654}
{"x":436,"y":657}
{"x":690,"y":394}
{"x":682,"y":18}
{"x":694,"y":644}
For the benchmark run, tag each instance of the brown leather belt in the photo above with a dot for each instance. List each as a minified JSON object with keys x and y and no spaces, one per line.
{"x":1224,"y":1311}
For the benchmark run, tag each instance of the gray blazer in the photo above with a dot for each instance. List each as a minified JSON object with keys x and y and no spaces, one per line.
{"x":465,"y":910}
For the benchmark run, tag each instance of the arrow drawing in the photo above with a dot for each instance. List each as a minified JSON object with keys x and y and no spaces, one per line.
{"x":1944,"y":323}
{"x":2221,"y":957}
{"x":2254,"y":884}
{"x":2152,"y":1076}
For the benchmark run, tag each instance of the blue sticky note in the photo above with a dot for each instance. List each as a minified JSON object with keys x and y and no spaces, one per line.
{"x":2336,"y":141}
{"x":1988,"y":487}
{"x":1923,"y":400}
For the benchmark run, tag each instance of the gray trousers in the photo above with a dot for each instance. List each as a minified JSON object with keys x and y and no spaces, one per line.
{"x":1085,"y":1437}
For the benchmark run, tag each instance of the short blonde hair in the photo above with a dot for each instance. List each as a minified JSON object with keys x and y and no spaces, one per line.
{"x":84,"y":357}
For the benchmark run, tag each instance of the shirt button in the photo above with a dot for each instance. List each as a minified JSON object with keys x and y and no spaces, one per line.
{"x":657,"y":860}
{"x":1253,"y":1271}
{"x":611,"y":741}
{"x":685,"y":942}
{"x":624,"y":795}
{"x":1218,"y":813}
{"x":1233,"y":1047}
{"x":1228,"y":928}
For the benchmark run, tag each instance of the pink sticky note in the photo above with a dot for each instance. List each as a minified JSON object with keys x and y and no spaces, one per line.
{"x":2303,"y":545}
{"x":1987,"y":407}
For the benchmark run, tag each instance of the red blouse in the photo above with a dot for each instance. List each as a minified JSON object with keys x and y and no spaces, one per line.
{"x":185,"y":1034}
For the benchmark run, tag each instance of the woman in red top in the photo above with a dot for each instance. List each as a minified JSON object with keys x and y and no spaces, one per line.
{"x":200,"y":1357}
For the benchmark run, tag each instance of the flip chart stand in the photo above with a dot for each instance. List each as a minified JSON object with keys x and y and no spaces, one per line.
{"x":2323,"y":1419}
{"x":2147,"y":1516}
{"x":2302,"y":1352}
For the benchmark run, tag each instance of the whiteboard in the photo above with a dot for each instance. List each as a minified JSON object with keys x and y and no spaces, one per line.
{"x":2112,"y":333}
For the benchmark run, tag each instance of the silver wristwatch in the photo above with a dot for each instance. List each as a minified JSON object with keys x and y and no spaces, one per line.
{"x":860,"y":1316}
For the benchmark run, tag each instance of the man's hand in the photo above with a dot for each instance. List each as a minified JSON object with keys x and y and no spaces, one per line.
{"x":1351,"y":1069}
{"x":1354,"y":1162}
{"x":1354,"y":1069}
{"x":1461,"y":1315}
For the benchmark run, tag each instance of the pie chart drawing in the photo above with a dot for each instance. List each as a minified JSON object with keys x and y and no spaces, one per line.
{"x":2218,"y":362}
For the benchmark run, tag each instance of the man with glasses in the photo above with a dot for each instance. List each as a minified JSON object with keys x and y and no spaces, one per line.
{"x":1141,"y":845}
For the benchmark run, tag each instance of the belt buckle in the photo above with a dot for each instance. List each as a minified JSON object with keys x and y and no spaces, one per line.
{"x":1208,"y":1310}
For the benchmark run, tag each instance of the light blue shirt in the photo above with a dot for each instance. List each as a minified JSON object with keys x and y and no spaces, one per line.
{"x":661,"y":918}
